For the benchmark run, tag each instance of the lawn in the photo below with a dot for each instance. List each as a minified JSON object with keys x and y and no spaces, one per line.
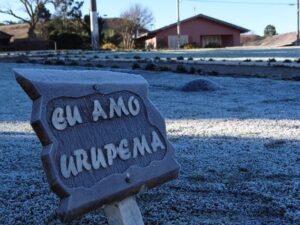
{"x":238,"y":147}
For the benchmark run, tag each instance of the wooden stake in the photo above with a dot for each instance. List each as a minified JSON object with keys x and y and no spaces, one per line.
{"x":125,"y":212}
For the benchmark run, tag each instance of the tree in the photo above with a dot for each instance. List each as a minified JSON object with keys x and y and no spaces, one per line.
{"x":135,"y":19}
{"x":270,"y":31}
{"x":32,"y":8}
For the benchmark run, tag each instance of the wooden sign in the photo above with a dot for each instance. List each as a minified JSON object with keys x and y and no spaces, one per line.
{"x":102,"y":138}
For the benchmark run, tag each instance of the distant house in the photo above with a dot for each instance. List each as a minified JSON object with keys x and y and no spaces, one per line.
{"x":4,"y":39}
{"x":201,"y":30}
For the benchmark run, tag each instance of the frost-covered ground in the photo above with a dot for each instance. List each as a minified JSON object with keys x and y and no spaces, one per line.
{"x":239,"y":149}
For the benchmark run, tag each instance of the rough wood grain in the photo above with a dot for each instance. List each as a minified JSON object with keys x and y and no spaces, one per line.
{"x":125,"y":212}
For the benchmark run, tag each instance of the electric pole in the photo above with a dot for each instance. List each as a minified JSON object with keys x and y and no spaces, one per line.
{"x":298,"y":35}
{"x":178,"y":24}
{"x":94,"y":25}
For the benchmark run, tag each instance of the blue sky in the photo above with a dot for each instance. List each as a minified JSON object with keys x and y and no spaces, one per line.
{"x":254,"y":16}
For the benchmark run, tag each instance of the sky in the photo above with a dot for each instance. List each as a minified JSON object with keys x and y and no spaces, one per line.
{"x":254,"y":15}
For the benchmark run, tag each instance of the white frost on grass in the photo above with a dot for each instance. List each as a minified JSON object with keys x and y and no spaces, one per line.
{"x":15,"y":127}
{"x":238,"y":147}
{"x":245,"y":128}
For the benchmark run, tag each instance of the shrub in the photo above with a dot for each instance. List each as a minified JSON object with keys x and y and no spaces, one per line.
{"x":213,"y":45}
{"x":190,"y":59}
{"x":191,"y":45}
{"x":67,"y":40}
{"x":47,"y":62}
{"x":20,"y":61}
{"x":115,"y":66}
{"x":180,"y":58}
{"x":33,"y":61}
{"x":192,"y":70}
{"x":247,"y":60}
{"x":116,"y":56}
{"x":214,"y":73}
{"x":137,"y":57}
{"x":181,"y":69}
{"x":135,"y":66}
{"x":59,"y":62}
{"x":150,"y":66}
{"x":164,"y":68}
{"x":73,"y":63}
{"x":156,"y":58}
{"x":99,"y":65}
{"x":211,"y":60}
{"x":199,"y":71}
{"x":88,"y":65}
{"x":297,"y":60}
{"x":109,"y":46}
{"x":272,"y":60}
{"x":200,"y":85}
{"x":287,"y":61}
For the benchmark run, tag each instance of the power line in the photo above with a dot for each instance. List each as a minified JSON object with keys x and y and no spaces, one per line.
{"x":244,"y":2}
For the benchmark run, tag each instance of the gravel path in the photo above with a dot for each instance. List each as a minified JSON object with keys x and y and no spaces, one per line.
{"x":239,"y":149}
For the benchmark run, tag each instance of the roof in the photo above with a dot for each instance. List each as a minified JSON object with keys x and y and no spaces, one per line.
{"x":17,"y":31}
{"x":4,"y":35}
{"x":199,"y":16}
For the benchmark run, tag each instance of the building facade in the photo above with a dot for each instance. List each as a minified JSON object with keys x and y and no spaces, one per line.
{"x":201,"y":31}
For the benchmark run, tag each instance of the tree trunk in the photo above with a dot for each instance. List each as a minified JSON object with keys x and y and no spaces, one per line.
{"x":31,"y":33}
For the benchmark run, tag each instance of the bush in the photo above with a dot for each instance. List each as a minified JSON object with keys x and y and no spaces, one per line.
{"x":190,"y":59}
{"x":157,"y":58}
{"x":287,"y":61}
{"x":150,"y":66}
{"x":247,"y":60}
{"x":272,"y":60}
{"x":135,"y":66}
{"x":67,"y":40}
{"x":192,"y":70}
{"x":99,"y":65}
{"x":109,"y":46}
{"x":180,"y":58}
{"x":59,"y":62}
{"x":137,"y":57}
{"x":200,"y":85}
{"x":190,"y":45}
{"x":297,"y":60}
{"x":213,"y":45}
{"x":164,"y":68}
{"x":181,"y":69}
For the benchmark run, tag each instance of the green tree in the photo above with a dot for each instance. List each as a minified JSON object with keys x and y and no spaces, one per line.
{"x":270,"y":31}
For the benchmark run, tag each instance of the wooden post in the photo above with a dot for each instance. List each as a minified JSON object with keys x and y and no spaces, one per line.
{"x":125,"y":212}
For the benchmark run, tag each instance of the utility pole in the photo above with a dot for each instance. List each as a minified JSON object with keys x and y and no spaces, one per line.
{"x":298,"y":35}
{"x":178,"y":24}
{"x":94,"y":25}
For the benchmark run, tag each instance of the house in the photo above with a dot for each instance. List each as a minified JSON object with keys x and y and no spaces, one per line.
{"x":4,"y":39}
{"x":201,"y":30}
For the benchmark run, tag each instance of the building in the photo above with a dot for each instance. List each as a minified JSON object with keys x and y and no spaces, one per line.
{"x":4,"y":39}
{"x":200,"y":30}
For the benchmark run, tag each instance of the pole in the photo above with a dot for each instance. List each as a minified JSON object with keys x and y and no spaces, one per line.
{"x":178,"y":25}
{"x":298,"y":35}
{"x":94,"y":25}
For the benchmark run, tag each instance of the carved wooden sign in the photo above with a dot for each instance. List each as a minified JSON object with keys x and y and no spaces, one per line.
{"x":102,"y":138}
